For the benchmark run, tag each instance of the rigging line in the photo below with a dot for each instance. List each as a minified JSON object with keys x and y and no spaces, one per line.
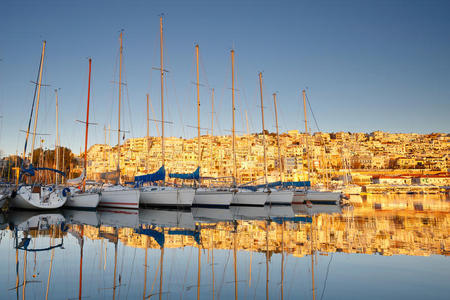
{"x":326,"y":277}
{"x":178,"y":103}
{"x":220,"y":99}
{"x":128,"y":102}
{"x":113,"y":92}
{"x":309,"y":104}
{"x":131,"y":273}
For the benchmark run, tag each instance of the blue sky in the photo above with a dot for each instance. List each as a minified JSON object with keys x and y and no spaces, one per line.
{"x":367,"y":65}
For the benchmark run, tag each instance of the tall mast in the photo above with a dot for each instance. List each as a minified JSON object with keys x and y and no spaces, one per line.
{"x":57,"y":139}
{"x":212,"y":113}
{"x":37,"y":101}
{"x":278,"y":136}
{"x":233,"y":111}
{"x":198,"y":110}
{"x":87,"y":127}
{"x":148,"y":117}
{"x":263,"y":128}
{"x":306,"y":131}
{"x":120,"y":98}
{"x":162,"y":89}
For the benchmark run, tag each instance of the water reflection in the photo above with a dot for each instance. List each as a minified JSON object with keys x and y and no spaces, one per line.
{"x":278,"y":252}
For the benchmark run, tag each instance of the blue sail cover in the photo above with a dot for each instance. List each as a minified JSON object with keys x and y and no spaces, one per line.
{"x":157,"y":176}
{"x":157,"y":235}
{"x":31,"y":169}
{"x":195,"y":175}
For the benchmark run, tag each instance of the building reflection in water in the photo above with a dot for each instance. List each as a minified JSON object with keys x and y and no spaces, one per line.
{"x":210,"y":253}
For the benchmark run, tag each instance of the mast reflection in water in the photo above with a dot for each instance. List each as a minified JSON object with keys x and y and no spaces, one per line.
{"x":378,"y":247}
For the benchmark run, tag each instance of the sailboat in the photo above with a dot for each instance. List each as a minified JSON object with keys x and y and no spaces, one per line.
{"x":163,"y":195}
{"x":273,"y":196}
{"x":80,"y":198}
{"x":324,"y":197}
{"x":206,"y":197}
{"x":242,"y":196}
{"x":37,"y":196}
{"x":117,"y":195}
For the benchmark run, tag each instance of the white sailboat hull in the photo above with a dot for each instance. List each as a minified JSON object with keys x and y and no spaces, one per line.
{"x":167,"y":197}
{"x":48,"y":198}
{"x":280,"y":197}
{"x":316,"y":197}
{"x":83,"y":200}
{"x":249,"y":198}
{"x":120,"y":199}
{"x":212,"y":198}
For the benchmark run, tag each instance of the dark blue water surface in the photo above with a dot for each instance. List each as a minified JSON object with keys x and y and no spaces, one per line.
{"x":375,"y":248}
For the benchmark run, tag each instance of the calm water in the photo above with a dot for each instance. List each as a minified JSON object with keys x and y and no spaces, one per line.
{"x":379,"y":247}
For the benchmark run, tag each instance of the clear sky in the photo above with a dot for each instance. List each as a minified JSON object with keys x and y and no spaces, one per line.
{"x":367,"y":65}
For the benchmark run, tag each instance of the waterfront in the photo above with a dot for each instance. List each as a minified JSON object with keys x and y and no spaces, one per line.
{"x":377,"y":247}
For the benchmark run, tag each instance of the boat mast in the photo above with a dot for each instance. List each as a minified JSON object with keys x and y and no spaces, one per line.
{"x":198,"y":110}
{"x":120,"y":98}
{"x":37,"y":101}
{"x":81,"y":258}
{"x":57,"y":140}
{"x":162,"y":88}
{"x":87,"y":127}
{"x":148,"y":132}
{"x":278,"y":136}
{"x":233,"y":128}
{"x":263,"y":129}
{"x":306,"y":132}
{"x":212,"y":113}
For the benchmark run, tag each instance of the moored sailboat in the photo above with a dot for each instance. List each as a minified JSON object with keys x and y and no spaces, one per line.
{"x":241,"y":196}
{"x":117,"y":195}
{"x":37,"y":196}
{"x":80,"y":198}
{"x":163,"y":195}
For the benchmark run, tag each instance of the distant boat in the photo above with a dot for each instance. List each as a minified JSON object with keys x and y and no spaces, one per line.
{"x":119,"y":196}
{"x":241,"y":196}
{"x":324,"y":197}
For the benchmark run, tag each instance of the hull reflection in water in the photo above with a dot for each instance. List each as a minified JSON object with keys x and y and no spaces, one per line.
{"x":38,"y":220}
{"x":116,"y":217}
{"x":209,"y":214}
{"x":166,"y":218}
{"x":82,"y":217}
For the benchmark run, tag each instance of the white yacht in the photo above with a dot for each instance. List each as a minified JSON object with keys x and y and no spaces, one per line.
{"x":166,"y":196}
{"x":323,"y":197}
{"x":280,"y":197}
{"x":79,"y":199}
{"x":39,"y":197}
{"x":212,"y":198}
{"x":249,"y":198}
{"x":119,"y":196}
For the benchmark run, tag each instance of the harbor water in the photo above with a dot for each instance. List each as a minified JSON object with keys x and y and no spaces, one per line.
{"x":376,"y":247}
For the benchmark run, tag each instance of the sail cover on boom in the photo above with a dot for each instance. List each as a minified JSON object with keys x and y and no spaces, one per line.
{"x":157,"y":176}
{"x":194,"y":175}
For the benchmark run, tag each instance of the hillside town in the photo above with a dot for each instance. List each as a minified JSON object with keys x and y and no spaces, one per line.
{"x":323,"y":158}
